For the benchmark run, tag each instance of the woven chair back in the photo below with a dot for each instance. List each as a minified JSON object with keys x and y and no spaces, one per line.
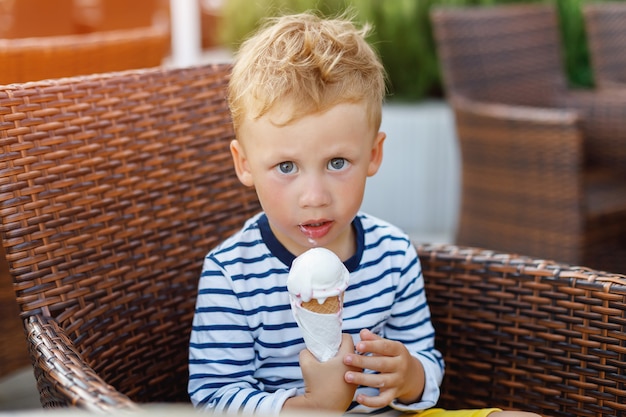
{"x":605,"y":24}
{"x":507,"y":54}
{"x":112,"y":190}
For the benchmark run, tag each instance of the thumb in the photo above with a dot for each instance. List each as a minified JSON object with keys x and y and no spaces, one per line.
{"x":347,"y":344}
{"x":306,"y":357}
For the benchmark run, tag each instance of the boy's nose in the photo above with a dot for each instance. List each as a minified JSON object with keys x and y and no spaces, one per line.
{"x":314,"y":193}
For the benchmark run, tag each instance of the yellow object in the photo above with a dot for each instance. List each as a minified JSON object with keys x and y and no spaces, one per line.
{"x":440,"y":412}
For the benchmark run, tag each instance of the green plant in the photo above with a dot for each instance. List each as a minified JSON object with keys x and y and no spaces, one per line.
{"x":403,"y":35}
{"x":576,"y":54}
{"x":242,"y":17}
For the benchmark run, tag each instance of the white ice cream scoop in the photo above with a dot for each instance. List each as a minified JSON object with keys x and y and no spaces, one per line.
{"x":317,"y":273}
{"x":316,"y":283}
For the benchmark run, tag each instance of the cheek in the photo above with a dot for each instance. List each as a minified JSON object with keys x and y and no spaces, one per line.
{"x":273,"y":197}
{"x":349,"y":194}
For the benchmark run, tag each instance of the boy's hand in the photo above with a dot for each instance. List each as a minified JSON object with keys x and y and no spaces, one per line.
{"x":325,"y":386}
{"x":399,"y":375}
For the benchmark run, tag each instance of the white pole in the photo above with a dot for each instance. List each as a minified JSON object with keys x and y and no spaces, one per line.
{"x":186,"y":36}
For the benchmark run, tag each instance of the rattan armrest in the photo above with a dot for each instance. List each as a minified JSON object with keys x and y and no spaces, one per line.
{"x":62,"y":373}
{"x":525,"y":333}
{"x":513,"y":136}
{"x":512,"y":112}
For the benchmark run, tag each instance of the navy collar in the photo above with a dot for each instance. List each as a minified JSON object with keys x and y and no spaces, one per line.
{"x":286,"y":257}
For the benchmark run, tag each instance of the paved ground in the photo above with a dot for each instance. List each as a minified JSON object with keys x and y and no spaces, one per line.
{"x":18,"y":391}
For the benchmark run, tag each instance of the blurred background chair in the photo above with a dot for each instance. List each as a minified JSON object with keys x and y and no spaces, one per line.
{"x":36,"y":18}
{"x":543,"y":167}
{"x":114,"y":187}
{"x":106,"y":15}
{"x":80,"y":38}
{"x":605,"y":24}
{"x":210,"y":17}
{"x":31,"y":59}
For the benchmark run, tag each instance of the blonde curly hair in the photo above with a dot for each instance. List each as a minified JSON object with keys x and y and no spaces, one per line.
{"x":308,"y":63}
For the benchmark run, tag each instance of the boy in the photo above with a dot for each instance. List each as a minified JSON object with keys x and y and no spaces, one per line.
{"x":306,"y":98}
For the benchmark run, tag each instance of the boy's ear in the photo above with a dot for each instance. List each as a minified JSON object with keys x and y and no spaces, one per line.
{"x":241,"y":163}
{"x":376,"y":157}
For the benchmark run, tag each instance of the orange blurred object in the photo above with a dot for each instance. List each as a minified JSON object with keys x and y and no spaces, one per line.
{"x":42,"y":39}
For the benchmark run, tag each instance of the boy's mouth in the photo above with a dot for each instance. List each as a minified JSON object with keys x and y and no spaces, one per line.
{"x":317,"y":229}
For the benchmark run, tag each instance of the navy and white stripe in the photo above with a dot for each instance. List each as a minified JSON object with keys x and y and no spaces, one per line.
{"x":245,"y":342}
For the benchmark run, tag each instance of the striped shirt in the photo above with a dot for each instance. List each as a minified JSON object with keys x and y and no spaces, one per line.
{"x":245,"y":343}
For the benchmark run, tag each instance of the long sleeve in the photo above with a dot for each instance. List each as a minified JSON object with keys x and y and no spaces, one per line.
{"x":222,"y":358}
{"x":392,"y":276}
{"x":410,"y":324}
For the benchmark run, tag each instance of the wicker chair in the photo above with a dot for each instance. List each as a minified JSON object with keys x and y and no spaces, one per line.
{"x":40,"y":39}
{"x":544,"y":167}
{"x":523,"y":333}
{"x":605,"y":24}
{"x":44,"y":18}
{"x":113,"y":187}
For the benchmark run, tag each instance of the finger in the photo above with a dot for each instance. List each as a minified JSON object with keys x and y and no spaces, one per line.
{"x":347,"y":360}
{"x":367,"y":334}
{"x":379,"y":401}
{"x":376,"y":363}
{"x":380,"y":346}
{"x":366,"y":379}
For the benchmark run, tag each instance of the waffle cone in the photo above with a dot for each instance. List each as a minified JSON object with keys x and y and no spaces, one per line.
{"x":332,"y":305}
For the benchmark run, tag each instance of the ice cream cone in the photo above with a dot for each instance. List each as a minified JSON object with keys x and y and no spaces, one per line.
{"x":332,"y":305}
{"x":318,"y":275}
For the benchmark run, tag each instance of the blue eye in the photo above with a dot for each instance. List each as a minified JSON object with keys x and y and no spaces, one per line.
{"x":337,"y":164}
{"x":287,"y":167}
